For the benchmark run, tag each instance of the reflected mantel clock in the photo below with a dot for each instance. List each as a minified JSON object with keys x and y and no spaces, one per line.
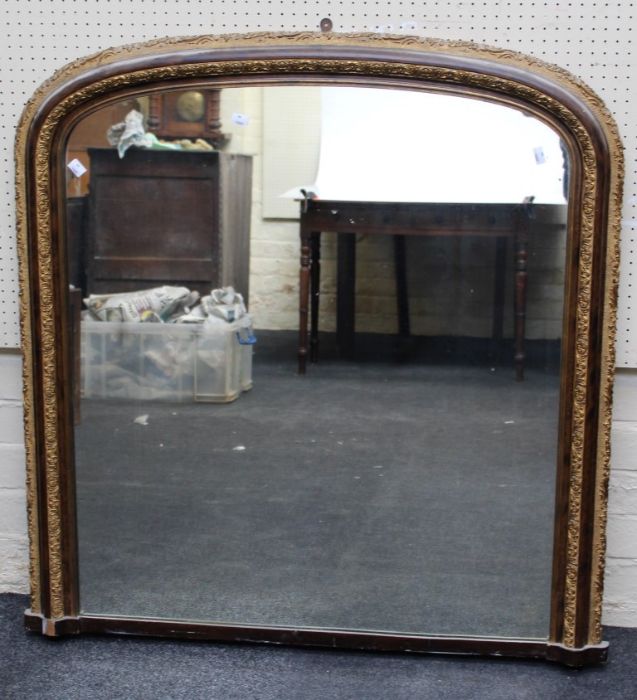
{"x":187,"y":114}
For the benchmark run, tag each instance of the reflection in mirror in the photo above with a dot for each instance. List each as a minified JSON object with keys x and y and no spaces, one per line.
{"x":393,"y":469}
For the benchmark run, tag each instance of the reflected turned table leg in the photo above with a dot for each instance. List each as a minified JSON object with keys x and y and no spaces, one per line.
{"x":346,"y":294}
{"x":402,"y":297}
{"x":75,"y":323}
{"x":315,"y":283}
{"x":497,"y":329}
{"x":521,"y":279}
{"x":304,"y":289}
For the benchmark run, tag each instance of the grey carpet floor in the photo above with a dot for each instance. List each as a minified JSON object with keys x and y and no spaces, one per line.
{"x":408,"y":497}
{"x":125,"y":668}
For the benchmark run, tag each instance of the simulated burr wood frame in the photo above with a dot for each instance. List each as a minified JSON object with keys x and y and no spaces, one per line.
{"x":547,"y":92}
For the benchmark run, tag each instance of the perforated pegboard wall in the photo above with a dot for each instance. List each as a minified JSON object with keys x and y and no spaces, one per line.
{"x":594,"y":40}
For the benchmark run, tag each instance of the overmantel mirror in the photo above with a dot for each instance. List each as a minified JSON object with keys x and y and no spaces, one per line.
{"x":318,"y":338}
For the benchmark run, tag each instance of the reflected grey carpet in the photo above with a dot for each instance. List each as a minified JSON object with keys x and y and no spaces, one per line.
{"x":414,"y":497}
{"x":124,"y":668}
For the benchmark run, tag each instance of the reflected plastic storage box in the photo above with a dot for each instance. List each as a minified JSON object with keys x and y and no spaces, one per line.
{"x":165,"y":362}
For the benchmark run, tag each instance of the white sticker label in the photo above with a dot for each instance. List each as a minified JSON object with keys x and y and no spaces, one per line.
{"x":538,"y":152}
{"x":240,"y":119}
{"x":76,"y":167}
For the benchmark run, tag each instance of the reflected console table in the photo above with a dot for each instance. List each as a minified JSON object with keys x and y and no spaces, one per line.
{"x":497,"y":221}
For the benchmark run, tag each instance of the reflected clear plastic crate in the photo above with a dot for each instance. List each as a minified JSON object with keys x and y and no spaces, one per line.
{"x":164,"y":362}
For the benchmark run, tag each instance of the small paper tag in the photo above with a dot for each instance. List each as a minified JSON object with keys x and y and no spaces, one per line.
{"x":76,"y":167}
{"x":240,"y":119}
{"x":538,"y":152}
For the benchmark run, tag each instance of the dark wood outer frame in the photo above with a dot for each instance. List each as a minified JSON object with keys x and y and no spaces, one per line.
{"x":590,"y":304}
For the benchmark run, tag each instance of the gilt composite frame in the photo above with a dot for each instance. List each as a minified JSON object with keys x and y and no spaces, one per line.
{"x":549,"y":92}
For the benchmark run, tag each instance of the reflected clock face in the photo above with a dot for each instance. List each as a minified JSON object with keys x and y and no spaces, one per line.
{"x":191,"y":106}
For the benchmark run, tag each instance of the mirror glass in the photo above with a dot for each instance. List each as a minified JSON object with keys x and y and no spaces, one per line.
{"x":392,"y":466}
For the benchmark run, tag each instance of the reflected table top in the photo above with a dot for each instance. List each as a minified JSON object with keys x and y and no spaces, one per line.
{"x":499,"y":221}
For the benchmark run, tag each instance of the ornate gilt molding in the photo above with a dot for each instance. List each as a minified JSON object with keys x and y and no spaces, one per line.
{"x":496,"y":86}
{"x":26,"y":331}
{"x":606,"y":383}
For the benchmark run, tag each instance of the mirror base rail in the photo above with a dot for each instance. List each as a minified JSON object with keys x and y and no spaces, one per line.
{"x":587,"y":655}
{"x":51,"y":627}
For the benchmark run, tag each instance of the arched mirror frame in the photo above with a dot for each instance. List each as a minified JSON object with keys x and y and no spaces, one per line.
{"x":548,"y":92}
